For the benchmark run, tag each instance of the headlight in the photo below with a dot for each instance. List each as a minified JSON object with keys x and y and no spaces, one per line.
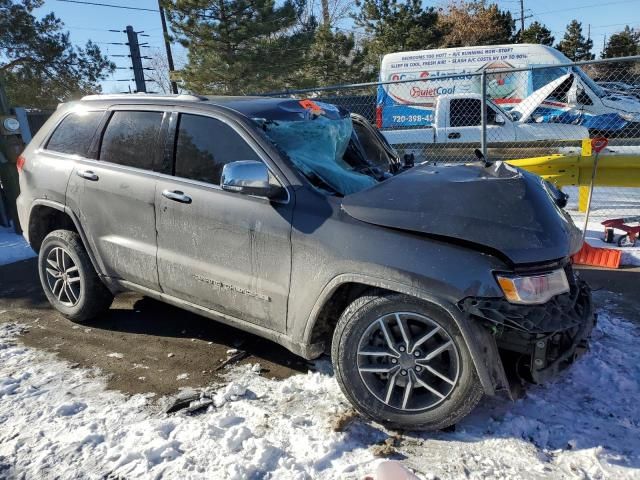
{"x":630,"y":117}
{"x":533,"y":288}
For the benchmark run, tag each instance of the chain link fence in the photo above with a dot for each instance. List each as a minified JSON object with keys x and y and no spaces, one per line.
{"x":540,"y":113}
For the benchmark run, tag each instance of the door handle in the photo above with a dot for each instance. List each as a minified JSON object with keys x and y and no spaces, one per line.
{"x":176,"y":196}
{"x":454,"y":135}
{"x":87,"y":175}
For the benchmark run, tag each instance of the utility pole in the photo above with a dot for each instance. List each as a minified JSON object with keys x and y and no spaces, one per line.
{"x":521,"y":16}
{"x":136,"y":59}
{"x":167,"y":46}
{"x":589,"y":32}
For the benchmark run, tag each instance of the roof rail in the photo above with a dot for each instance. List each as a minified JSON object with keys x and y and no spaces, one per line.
{"x":120,"y":96}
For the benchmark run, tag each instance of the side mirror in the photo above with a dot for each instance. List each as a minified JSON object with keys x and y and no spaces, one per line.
{"x":247,"y":176}
{"x":499,"y":120}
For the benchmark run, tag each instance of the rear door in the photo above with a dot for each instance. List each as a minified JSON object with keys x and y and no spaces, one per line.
{"x":225,"y":251}
{"x":114,"y":195}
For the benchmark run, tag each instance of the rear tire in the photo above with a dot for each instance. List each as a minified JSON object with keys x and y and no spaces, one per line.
{"x":380,"y":353}
{"x":68,"y":278}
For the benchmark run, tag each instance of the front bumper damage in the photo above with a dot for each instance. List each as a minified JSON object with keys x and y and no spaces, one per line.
{"x":535,"y":342}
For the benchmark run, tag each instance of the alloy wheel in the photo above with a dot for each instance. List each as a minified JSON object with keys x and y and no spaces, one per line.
{"x":408,"y":361}
{"x":63,"y":277}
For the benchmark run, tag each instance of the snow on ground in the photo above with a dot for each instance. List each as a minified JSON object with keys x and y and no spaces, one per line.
{"x":607,"y":203}
{"x":60,"y":422}
{"x":13,"y":247}
{"x":595,"y":238}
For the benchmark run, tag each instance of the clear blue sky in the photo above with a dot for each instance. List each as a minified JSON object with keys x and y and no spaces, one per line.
{"x":93,"y":22}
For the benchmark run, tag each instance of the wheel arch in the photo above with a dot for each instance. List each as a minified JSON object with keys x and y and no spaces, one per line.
{"x":343,"y":289}
{"x":46,"y":216}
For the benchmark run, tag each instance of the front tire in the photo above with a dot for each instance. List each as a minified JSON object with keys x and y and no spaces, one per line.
{"x":68,"y":278}
{"x":404,"y":363}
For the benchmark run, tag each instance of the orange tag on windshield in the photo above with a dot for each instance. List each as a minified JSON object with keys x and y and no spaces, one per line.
{"x":312,"y":106}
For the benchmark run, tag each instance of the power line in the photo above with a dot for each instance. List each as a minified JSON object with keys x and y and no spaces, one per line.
{"x":96,"y":4}
{"x":582,"y":7}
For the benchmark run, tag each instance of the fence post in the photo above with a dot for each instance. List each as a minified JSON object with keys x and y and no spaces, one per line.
{"x":483,"y":116}
{"x":583,"y":191}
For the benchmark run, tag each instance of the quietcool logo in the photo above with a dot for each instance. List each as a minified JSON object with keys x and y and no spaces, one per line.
{"x":417,"y":92}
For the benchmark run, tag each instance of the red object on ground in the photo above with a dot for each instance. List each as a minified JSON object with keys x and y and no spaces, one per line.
{"x":597,"y":257}
{"x":621,"y":224}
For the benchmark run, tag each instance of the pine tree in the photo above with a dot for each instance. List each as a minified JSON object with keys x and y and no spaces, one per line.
{"x":622,"y":44}
{"x":469,"y":23}
{"x":394,"y":26}
{"x":239,"y":46}
{"x":331,"y":59}
{"x":38,"y":63}
{"x":574,"y":45}
{"x":536,"y":33}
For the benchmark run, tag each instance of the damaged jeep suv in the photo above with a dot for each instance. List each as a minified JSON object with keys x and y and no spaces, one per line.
{"x":429,"y":285}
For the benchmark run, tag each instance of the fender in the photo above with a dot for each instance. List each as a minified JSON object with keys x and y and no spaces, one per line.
{"x":63,"y":208}
{"x":482,"y":346}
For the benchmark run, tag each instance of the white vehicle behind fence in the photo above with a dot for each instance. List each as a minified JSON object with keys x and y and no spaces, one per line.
{"x":454,"y":71}
{"x":457,"y":119}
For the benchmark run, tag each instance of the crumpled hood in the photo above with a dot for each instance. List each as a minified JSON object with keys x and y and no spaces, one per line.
{"x":499,"y":207}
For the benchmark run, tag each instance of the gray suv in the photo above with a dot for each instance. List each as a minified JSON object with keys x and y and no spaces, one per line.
{"x":429,"y":285}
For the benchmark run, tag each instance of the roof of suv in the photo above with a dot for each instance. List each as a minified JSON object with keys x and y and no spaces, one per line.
{"x":250,"y":106}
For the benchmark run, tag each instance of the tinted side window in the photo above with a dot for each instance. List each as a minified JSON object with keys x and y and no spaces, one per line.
{"x":465,"y":112}
{"x":75,"y":132}
{"x":205,"y":145}
{"x":133,"y":139}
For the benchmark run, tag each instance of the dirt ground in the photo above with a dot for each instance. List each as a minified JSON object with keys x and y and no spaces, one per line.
{"x":142,"y":345}
{"x":146,"y":346}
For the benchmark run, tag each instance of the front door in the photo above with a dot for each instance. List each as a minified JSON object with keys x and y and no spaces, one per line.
{"x":465,"y":123}
{"x":225,"y":251}
{"x":114,"y":196}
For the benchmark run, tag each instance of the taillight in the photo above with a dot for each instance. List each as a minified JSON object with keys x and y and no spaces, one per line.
{"x":379,"y":116}
{"x":20,"y":163}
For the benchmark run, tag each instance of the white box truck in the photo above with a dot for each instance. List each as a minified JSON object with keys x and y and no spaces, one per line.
{"x":405,"y":110}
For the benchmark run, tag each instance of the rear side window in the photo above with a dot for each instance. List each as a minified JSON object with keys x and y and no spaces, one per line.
{"x":74,"y":134}
{"x":132,"y":138}
{"x":205,"y":145}
{"x":465,"y":112}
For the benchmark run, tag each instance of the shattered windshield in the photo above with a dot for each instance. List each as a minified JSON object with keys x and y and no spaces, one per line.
{"x":323,"y":146}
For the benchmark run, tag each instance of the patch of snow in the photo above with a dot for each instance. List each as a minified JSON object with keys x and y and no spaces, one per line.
{"x":607,"y":203}
{"x":182,"y":376}
{"x":57,"y":421}
{"x":13,"y":247}
{"x":595,"y":238}
{"x":595,"y":235}
{"x":115,"y":355}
